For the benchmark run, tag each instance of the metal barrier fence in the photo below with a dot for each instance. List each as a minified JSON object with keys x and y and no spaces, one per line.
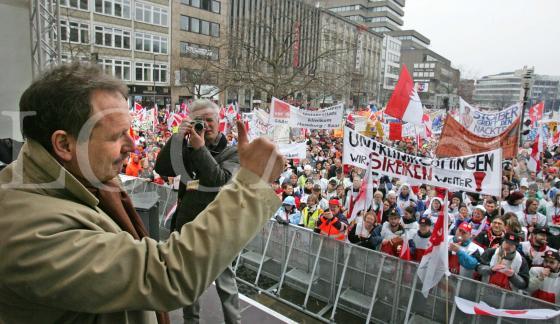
{"x":320,"y":276}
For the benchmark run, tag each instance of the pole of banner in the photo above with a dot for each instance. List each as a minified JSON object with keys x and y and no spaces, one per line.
{"x":445,"y":214}
{"x":417,"y":139}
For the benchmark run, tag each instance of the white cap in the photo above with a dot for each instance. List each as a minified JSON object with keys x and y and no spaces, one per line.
{"x":307,"y":167}
{"x":524,"y":183}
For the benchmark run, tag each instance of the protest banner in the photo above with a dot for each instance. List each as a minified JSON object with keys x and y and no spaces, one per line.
{"x":456,"y":140}
{"x":282,"y":113}
{"x":479,"y":173}
{"x":293,"y":150}
{"x":486,"y":124}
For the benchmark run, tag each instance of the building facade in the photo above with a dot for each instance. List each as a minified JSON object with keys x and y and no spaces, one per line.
{"x":128,"y":38}
{"x":301,"y":53}
{"x":198,"y":49}
{"x":504,"y":89}
{"x":437,"y":82}
{"x":391,"y":66}
{"x":380,"y":15}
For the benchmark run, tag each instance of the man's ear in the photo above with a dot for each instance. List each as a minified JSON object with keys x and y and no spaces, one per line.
{"x":63,"y":145}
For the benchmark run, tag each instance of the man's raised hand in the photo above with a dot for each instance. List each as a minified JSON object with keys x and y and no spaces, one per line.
{"x":260,"y":156}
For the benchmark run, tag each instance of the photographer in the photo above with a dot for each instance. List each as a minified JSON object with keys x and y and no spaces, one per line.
{"x":207,"y":164}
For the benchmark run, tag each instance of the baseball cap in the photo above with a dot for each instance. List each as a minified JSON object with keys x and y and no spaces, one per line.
{"x":541,"y":230}
{"x":465,"y":227}
{"x":552,"y":254}
{"x":425,"y":221}
{"x":512,"y":238}
{"x":334,"y":202}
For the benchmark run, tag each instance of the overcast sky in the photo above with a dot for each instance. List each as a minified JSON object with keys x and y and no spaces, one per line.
{"x":490,"y":36}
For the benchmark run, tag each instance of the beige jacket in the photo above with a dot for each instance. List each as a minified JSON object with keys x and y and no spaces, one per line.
{"x":63,"y":260}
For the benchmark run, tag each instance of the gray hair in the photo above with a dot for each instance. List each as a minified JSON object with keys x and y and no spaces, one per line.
{"x":201,"y":104}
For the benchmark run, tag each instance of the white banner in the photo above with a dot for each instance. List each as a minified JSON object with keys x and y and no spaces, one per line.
{"x":486,"y":124}
{"x":480,"y":173}
{"x":293,"y":150}
{"x":282,"y":113}
{"x":472,"y":308}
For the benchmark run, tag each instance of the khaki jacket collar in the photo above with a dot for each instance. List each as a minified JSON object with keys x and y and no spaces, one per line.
{"x":43,"y":174}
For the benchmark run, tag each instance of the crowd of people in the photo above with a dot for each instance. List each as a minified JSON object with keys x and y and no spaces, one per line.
{"x":509,"y":241}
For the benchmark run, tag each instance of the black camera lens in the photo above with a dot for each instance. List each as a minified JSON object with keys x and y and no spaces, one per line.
{"x":199,"y":127}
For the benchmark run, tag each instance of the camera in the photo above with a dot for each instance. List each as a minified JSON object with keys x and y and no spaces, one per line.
{"x":199,"y":125}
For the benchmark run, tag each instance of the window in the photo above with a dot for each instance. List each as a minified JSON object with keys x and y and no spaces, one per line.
{"x":74,"y":32}
{"x":199,"y":51}
{"x":150,"y":43}
{"x":116,"y":67}
{"x":150,"y":14}
{"x":117,"y":8}
{"x":150,"y":72}
{"x":209,"y":5}
{"x":76,"y":4}
{"x":112,"y":37}
{"x":195,"y":25}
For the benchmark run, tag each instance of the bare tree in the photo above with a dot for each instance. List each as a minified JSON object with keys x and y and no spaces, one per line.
{"x":75,"y":42}
{"x":281,"y":52}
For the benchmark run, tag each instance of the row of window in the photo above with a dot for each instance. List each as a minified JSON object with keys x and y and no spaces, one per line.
{"x":77,"y":32}
{"x":424,"y":65}
{"x":423,"y":74}
{"x":143,"y":71}
{"x":144,"y":12}
{"x":199,"y":26}
{"x":209,"y":5}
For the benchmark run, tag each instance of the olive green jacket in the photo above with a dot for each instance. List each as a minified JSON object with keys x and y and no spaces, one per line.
{"x":63,"y":260}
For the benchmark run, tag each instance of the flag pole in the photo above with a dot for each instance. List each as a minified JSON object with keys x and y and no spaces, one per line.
{"x":445,"y":211}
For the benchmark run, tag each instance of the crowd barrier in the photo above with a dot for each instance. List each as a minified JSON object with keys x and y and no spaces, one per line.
{"x":321,"y":276}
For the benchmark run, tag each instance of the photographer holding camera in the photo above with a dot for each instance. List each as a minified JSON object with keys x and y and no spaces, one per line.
{"x":200,"y":155}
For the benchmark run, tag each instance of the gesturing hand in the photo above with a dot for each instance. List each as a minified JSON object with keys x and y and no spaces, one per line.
{"x":260,"y":156}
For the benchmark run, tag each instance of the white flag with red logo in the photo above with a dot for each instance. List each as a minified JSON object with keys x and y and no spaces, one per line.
{"x":472,"y":308}
{"x":534,"y":164}
{"x":427,"y":121}
{"x":536,"y":113}
{"x":435,"y":263}
{"x":405,"y":103}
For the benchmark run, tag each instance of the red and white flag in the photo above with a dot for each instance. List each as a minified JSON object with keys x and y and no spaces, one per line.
{"x":427,"y":121}
{"x":472,"y":308}
{"x":138,"y":107}
{"x":405,"y":103}
{"x":536,"y":113}
{"x":365,"y":196}
{"x":405,"y":250}
{"x":435,"y":263}
{"x":174,"y":120}
{"x":534,"y":164}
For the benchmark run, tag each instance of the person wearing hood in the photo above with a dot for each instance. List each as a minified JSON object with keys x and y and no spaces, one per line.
{"x":406,"y":198}
{"x":288,"y":213}
{"x":544,"y":281}
{"x":435,"y":208}
{"x":366,"y":232}
{"x":307,"y":170}
{"x":478,"y":220}
{"x":493,"y":236}
{"x":392,"y":234}
{"x":353,"y":192}
{"x":504,"y":266}
{"x":463,"y":252}
{"x":534,"y":249}
{"x":420,"y":241}
{"x":377,"y":205}
{"x":531,"y":218}
{"x":514,"y":203}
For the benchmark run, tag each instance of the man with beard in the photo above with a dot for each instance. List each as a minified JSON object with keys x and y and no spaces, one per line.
{"x":544,"y":282}
{"x":463,"y":253}
{"x":534,"y":249}
{"x":504,"y":266}
{"x":366,"y":232}
{"x":493,"y":236}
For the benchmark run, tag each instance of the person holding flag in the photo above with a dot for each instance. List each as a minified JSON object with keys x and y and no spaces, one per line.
{"x":392,"y":235}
